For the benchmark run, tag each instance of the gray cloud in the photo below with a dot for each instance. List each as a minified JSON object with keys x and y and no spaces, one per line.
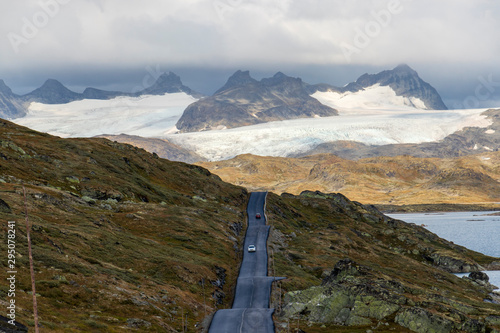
{"x":450,"y":43}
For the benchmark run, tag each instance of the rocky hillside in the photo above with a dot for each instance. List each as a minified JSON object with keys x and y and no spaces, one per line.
{"x":245,"y":101}
{"x":400,"y":180}
{"x":121,"y":238}
{"x":125,"y":240}
{"x":368,"y":272}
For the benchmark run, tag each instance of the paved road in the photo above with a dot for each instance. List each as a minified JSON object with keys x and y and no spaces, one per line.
{"x":250,"y":312}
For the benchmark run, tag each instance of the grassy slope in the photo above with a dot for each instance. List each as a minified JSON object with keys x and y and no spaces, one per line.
{"x":399,"y":180}
{"x":312,"y":232}
{"x":117,"y":233}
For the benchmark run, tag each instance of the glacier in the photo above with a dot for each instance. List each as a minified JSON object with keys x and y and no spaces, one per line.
{"x":374,"y":116}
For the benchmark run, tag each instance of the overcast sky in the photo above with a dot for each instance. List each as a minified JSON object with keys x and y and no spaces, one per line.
{"x":122,"y":44}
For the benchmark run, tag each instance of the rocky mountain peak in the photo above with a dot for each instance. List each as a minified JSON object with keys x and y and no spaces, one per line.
{"x":404,"y":68}
{"x":243,"y":101}
{"x":53,"y":85}
{"x":279,"y":79}
{"x":169,"y":78}
{"x":52,"y":92}
{"x":405,"y":82}
{"x":166,"y":83}
{"x":238,"y":79}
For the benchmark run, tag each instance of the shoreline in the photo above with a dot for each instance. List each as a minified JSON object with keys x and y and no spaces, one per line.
{"x":437,"y":208}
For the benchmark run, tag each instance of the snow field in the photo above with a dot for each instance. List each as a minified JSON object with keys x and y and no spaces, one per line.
{"x":283,"y":138}
{"x":147,"y":116}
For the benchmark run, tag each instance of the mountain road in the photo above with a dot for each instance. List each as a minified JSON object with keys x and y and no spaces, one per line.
{"x":250,"y":312}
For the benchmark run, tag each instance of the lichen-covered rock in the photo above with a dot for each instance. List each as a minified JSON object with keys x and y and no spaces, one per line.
{"x":479,"y":276}
{"x":421,"y":321}
{"x":345,"y":298}
{"x":355,"y":295}
{"x":453,"y":265}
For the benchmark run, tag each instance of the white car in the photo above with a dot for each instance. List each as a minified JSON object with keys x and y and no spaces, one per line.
{"x":251,"y":248}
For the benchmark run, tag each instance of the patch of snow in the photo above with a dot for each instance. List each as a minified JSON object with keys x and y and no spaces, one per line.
{"x":147,"y":116}
{"x":418,"y":103}
{"x":490,"y":131}
{"x":376,"y":97}
{"x":379,"y":127}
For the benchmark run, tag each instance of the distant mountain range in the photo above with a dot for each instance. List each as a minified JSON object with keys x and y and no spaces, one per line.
{"x":54,"y":92}
{"x":245,"y":101}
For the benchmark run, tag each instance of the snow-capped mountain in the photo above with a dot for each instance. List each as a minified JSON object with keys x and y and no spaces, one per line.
{"x":53,"y":92}
{"x":244,"y":101}
{"x":399,"y":87}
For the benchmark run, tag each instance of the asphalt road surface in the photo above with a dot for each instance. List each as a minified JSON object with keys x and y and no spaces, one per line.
{"x":250,"y":312}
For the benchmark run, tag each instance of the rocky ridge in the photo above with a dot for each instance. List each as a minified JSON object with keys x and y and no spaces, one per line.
{"x":245,"y":101}
{"x":402,"y":79}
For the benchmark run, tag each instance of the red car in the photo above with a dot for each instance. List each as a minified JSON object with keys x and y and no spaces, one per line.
{"x":257,"y":216}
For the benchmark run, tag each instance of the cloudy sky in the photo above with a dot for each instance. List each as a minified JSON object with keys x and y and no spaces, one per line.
{"x":123,"y":44}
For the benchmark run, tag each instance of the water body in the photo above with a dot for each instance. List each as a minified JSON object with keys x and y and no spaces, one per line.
{"x":478,"y":231}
